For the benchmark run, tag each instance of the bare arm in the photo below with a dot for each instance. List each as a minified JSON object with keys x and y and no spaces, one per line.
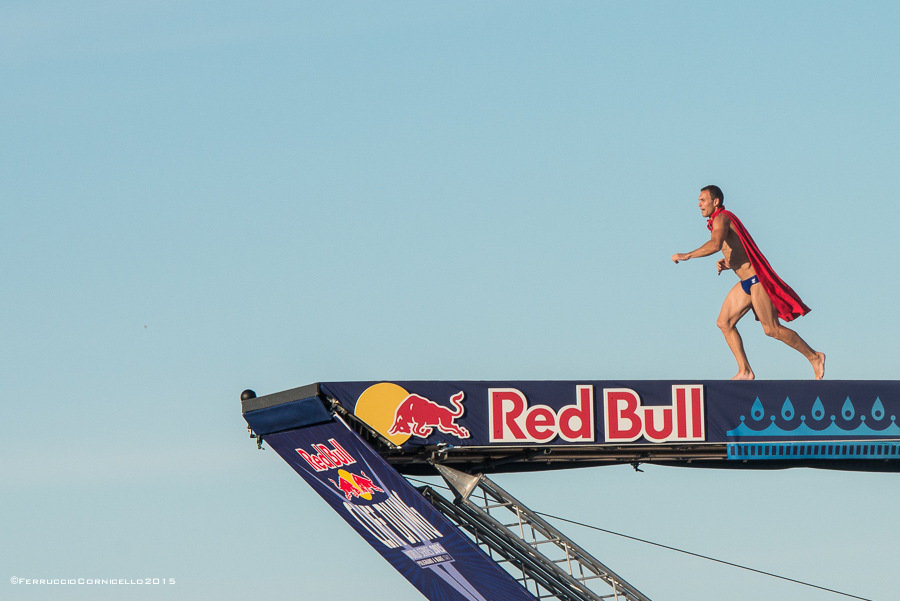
{"x":714,"y":245}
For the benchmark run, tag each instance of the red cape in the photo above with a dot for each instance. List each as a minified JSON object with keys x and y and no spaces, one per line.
{"x":786,"y":301}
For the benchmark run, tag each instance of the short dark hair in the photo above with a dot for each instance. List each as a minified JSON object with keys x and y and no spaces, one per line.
{"x":714,"y":193}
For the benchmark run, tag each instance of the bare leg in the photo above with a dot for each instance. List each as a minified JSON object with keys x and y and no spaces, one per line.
{"x":736,"y":305}
{"x":762,"y":304}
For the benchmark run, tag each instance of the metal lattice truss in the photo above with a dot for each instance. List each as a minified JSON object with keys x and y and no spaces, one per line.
{"x":539,"y":557}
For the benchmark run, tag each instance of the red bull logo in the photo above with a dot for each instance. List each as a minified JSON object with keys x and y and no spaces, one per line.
{"x":355,"y":485}
{"x":398,"y":414}
{"x":327,"y":459}
{"x":627,"y":420}
{"x":419,"y":416}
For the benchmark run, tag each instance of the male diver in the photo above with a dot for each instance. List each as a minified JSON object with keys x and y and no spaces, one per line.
{"x":759,"y":288}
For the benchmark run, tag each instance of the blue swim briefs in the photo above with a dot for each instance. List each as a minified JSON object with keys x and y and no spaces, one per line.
{"x":745,"y":284}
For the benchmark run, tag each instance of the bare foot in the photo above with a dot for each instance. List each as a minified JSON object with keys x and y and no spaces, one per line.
{"x":745,"y":375}
{"x":819,"y":365}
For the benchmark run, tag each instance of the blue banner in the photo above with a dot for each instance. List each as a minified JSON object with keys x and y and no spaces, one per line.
{"x":393,"y":516}
{"x":756,"y":419}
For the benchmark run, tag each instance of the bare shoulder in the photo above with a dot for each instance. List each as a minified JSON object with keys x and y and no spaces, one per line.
{"x":721,"y":222}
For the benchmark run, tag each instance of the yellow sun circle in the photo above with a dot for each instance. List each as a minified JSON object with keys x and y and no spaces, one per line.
{"x":376,"y":407}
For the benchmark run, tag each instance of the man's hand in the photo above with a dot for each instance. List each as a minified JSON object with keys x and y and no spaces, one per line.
{"x":679,"y":257}
{"x":721,"y":265}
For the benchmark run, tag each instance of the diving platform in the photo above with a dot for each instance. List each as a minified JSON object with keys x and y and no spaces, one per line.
{"x":353,"y":441}
{"x":493,"y":427}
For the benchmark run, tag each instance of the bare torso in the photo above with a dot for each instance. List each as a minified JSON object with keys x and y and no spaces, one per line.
{"x":736,"y":256}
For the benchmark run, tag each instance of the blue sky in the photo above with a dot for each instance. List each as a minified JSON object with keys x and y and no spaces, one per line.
{"x":203,"y":197}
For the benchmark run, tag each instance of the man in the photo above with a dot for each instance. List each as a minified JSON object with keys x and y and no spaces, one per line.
{"x":760,"y":287}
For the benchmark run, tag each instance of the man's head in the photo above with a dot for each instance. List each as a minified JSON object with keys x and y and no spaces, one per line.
{"x":711,"y":198}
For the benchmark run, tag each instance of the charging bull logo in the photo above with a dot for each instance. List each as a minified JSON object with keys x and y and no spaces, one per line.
{"x":418,"y":416}
{"x":355,"y":485}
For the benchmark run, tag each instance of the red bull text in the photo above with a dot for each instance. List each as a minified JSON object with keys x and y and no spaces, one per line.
{"x":327,"y":459}
{"x":512,"y":420}
{"x":627,"y":420}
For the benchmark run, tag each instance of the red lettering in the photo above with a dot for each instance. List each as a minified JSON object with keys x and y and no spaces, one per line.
{"x":621,"y":406}
{"x":689,"y":418}
{"x":681,"y":411}
{"x":627,"y":420}
{"x":510,"y":414}
{"x":651,"y":431}
{"x":326,"y":458}
{"x":507,"y":404}
{"x":583,"y":413}
{"x":540,"y":423}
{"x":309,"y":459}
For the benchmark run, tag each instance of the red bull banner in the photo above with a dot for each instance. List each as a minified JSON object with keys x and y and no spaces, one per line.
{"x":757,"y":420}
{"x":392,"y":516}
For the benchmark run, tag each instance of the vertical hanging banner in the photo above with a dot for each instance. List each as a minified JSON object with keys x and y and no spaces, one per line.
{"x":392,"y":516}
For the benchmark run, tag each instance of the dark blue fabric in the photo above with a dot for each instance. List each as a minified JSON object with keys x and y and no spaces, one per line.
{"x":795,"y":412}
{"x":295,"y":414}
{"x":745,"y":284}
{"x":392,"y":516}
